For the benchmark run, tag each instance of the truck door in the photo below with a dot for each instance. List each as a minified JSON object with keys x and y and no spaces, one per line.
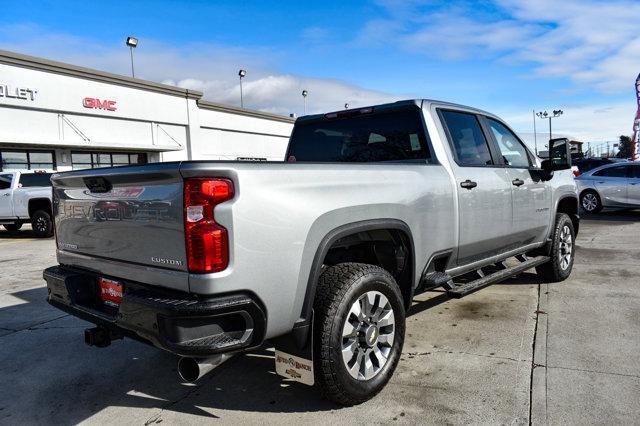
{"x":484,"y":189}
{"x":531,"y":197}
{"x":6,"y":204}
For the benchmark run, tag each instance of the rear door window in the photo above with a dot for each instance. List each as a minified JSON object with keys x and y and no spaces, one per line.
{"x":29,"y":180}
{"x":390,"y":136}
{"x":468,"y":140}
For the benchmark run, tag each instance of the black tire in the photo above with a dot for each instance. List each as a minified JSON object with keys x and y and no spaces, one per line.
{"x":13,"y":227}
{"x":590,"y":201}
{"x":556,"y":269}
{"x":340,"y":287}
{"x":42,"y":224}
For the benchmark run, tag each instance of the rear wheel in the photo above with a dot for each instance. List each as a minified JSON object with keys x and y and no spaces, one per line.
{"x":562,"y":251}
{"x":358,"y":332}
{"x":42,"y":224}
{"x":590,"y":202}
{"x":13,"y":227}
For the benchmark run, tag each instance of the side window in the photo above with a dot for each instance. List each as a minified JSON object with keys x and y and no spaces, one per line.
{"x":468,"y":140}
{"x":618,"y":172}
{"x":511,"y":149}
{"x":5,"y":181}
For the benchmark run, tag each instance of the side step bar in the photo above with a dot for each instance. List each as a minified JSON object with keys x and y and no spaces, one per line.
{"x":460,"y":290}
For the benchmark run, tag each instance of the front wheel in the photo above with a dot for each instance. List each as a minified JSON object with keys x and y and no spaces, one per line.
{"x":562,"y":251}
{"x":358,"y":331}
{"x":42,"y":224}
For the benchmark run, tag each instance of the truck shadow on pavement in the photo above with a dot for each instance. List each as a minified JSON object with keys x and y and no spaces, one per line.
{"x":17,"y":235}
{"x":50,"y":376}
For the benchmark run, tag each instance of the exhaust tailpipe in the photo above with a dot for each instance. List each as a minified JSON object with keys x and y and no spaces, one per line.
{"x":192,"y":369}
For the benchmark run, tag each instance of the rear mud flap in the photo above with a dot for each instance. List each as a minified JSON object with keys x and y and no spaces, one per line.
{"x":294,"y":360}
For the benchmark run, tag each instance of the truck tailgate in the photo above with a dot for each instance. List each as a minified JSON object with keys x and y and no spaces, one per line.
{"x":132,"y":214}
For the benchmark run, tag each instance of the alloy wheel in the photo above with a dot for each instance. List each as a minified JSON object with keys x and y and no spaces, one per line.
{"x":566,"y":248}
{"x":589,"y":202}
{"x":368,"y":335}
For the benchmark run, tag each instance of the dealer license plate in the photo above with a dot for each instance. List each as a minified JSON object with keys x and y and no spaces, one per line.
{"x":110,"y":292}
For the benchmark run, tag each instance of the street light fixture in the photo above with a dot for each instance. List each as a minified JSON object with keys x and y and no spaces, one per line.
{"x":304,"y":96}
{"x":545,"y":115}
{"x":241,"y":74}
{"x":132,"y":42}
{"x":346,"y":106}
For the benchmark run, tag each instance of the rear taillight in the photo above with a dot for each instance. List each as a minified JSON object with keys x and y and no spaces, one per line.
{"x":207,"y":242}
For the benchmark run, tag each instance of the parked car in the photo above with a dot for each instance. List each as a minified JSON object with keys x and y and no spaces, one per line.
{"x":321,"y":253}
{"x":583,"y":165}
{"x":26,"y":197}
{"x":611,"y":185}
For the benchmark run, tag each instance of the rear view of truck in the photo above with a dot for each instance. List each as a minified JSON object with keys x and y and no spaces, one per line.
{"x":320,"y":254}
{"x":129,"y":239}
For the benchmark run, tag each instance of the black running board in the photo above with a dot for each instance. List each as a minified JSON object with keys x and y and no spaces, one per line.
{"x":460,"y":290}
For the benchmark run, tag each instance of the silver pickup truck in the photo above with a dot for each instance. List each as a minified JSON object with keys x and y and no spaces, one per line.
{"x":321,"y":253}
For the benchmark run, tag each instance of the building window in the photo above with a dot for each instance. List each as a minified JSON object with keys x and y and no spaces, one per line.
{"x":91,"y":160}
{"x":26,"y":160}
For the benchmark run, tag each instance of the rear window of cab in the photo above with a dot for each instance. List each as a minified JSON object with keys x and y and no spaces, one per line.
{"x":390,"y":136}
{"x":29,"y":180}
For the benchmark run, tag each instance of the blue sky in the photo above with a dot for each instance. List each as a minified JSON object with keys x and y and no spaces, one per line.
{"x":505,"y":56}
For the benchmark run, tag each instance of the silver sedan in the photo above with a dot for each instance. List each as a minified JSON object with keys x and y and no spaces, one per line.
{"x":611,"y":185}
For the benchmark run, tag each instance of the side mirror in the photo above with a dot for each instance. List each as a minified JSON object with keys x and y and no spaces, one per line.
{"x":544,"y":173}
{"x":559,"y":155}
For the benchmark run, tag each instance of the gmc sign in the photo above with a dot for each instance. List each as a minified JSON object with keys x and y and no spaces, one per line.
{"x":95,"y":103}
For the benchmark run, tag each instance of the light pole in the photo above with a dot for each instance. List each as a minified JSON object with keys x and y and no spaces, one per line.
{"x":304,"y":96}
{"x":241,"y":74}
{"x":535,"y":133}
{"x":132,"y":42}
{"x":544,"y":114}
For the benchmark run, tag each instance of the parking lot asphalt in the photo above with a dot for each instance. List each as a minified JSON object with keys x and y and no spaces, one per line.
{"x":518,"y":352}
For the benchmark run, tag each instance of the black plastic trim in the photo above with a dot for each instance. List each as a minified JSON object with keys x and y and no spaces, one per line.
{"x":576,"y":216}
{"x":323,"y":248}
{"x":158,"y":316}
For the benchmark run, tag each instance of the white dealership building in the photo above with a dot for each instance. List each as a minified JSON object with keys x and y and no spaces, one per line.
{"x":62,"y":117}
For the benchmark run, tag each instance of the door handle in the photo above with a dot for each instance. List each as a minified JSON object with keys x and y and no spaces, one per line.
{"x":517,"y":182}
{"x":469,"y":184}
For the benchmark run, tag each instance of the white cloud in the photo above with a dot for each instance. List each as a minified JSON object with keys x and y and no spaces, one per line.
{"x":282,"y":93}
{"x":583,"y":122}
{"x":205,"y":67}
{"x":213,"y":69}
{"x":594,"y":43}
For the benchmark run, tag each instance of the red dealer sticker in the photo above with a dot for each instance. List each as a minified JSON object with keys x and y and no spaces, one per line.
{"x":110,"y":292}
